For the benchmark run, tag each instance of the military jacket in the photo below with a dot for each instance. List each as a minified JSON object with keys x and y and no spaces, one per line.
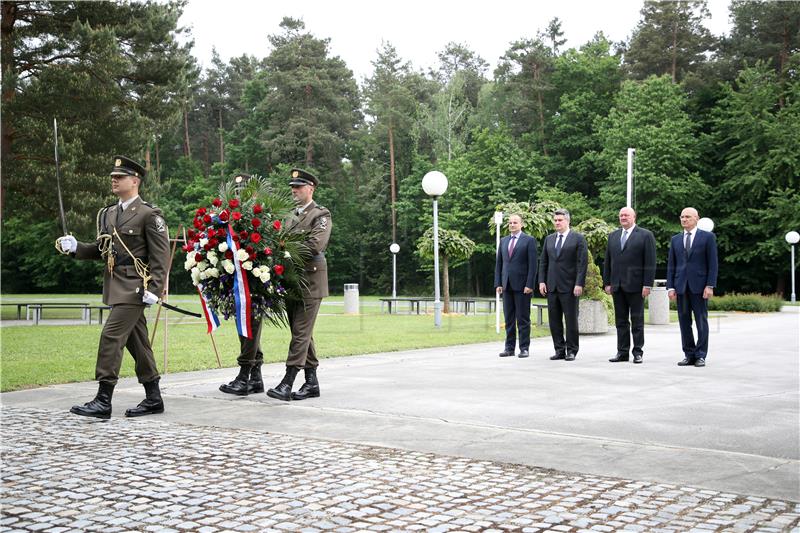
{"x":143,"y":231}
{"x":315,"y":224}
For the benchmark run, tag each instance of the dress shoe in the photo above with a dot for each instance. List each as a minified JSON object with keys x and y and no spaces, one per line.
{"x":152,"y":403}
{"x":240,"y":383}
{"x":637,"y":358}
{"x":309,"y":389}
{"x":557,"y":356}
{"x":686,"y":362}
{"x":619,"y":358}
{"x":506,"y":353}
{"x":523,"y":354}
{"x":700,"y":362}
{"x":570,"y":357}
{"x":256,"y":383}
{"x":283,"y":391}
{"x":100,"y":406}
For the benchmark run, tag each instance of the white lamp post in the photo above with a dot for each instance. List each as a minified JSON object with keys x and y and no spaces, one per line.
{"x":629,"y":195}
{"x":498,"y":221}
{"x":394,"y":248}
{"x":792,"y":238}
{"x":434,"y":183}
{"x":705,"y":224}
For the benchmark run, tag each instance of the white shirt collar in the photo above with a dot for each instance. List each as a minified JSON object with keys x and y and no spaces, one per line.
{"x":692,"y":231}
{"x":629,"y":230}
{"x":517,"y":234}
{"x":126,"y":203}
{"x":566,"y":232}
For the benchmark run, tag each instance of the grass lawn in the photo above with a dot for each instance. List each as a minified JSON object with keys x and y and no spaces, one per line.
{"x":46,"y":354}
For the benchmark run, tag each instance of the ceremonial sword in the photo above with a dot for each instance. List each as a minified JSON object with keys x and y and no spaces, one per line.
{"x":58,"y":179}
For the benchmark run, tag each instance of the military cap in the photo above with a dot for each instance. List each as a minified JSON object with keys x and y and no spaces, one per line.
{"x":301,"y":177}
{"x":241,"y":179}
{"x":125,"y":166}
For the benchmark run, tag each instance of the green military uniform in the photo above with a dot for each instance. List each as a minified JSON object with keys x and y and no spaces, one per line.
{"x":315,"y":224}
{"x":141,"y":231}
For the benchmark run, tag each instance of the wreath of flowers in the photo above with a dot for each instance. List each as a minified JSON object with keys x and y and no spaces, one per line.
{"x":271,"y":257}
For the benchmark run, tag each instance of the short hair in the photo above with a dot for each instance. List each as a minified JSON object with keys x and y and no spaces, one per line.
{"x":563,"y":212}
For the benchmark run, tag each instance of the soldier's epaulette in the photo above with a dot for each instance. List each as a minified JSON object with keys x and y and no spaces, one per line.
{"x":320,"y":206}
{"x":148,"y":204}
{"x":106,"y":207}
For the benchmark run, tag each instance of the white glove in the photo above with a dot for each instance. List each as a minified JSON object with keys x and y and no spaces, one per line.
{"x":68,"y":243}
{"x":149,"y":298}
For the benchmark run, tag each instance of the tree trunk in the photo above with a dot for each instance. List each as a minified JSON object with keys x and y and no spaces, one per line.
{"x":540,"y":101}
{"x":187,"y":149}
{"x":393,"y":184}
{"x":782,"y":58}
{"x":147,"y":166}
{"x":675,"y":50}
{"x":445,"y":285}
{"x":221,"y":143}
{"x":309,"y":145}
{"x":158,"y":162}
{"x":9,"y":17}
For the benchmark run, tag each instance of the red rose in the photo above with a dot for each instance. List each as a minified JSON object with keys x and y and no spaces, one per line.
{"x":278,"y":269}
{"x":252,"y":257}
{"x":207,"y":247}
{"x":255,"y":222}
{"x":210,"y":233}
{"x":257,"y":209}
{"x":255,"y":237}
{"x":223,"y":216}
{"x":228,"y":254}
{"x":190,"y":233}
{"x":207,"y":219}
{"x":187,"y":247}
{"x":235,"y":238}
{"x":277,"y":225}
{"x":198,"y":223}
{"x":249,"y":249}
{"x":201,"y":211}
{"x":198,"y":258}
{"x":236,"y":215}
{"x":243,"y":234}
{"x":217,"y":202}
{"x":234,"y":203}
{"x":213,"y":242}
{"x":267,"y":251}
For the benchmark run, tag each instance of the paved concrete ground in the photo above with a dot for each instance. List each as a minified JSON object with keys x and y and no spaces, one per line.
{"x":439,"y":439}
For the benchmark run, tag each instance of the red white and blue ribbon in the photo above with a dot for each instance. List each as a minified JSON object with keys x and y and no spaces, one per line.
{"x":241,"y":292}
{"x":211,"y":317}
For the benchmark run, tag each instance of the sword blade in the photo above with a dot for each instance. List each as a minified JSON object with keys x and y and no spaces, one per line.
{"x":58,"y":178}
{"x":179,"y":310}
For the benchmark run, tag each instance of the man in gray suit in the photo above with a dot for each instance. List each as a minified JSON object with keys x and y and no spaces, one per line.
{"x":628,"y":273}
{"x":562,"y":276}
{"x":514,"y":278}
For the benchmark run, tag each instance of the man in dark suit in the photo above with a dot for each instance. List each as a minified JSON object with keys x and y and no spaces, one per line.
{"x":562,"y":276}
{"x":628,"y":273}
{"x":514,"y":278}
{"x":691,"y":276}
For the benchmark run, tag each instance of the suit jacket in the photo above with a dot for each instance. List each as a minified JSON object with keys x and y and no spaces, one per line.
{"x":696,"y":271}
{"x":519,"y":270}
{"x":143,"y":231}
{"x":633,"y":267}
{"x":315,"y":224}
{"x":563,"y":273}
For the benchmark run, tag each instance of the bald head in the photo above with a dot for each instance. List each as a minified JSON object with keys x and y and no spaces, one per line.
{"x":627,"y":217}
{"x":689,"y":218}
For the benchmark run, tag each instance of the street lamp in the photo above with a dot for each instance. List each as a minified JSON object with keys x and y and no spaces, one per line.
{"x":498,"y":221}
{"x":434,"y":183}
{"x":394,"y":248}
{"x":705,"y":224}
{"x":792,"y":238}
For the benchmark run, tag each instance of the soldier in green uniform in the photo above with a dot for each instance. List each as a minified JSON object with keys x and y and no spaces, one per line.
{"x":132,"y":240}
{"x":314,"y":222}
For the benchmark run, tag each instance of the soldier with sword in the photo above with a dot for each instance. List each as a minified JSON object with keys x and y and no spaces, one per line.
{"x":132,"y":240}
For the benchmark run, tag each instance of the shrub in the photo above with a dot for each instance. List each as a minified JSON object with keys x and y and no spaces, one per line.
{"x":751,"y":303}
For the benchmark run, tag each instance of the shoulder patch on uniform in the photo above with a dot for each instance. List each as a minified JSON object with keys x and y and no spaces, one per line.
{"x":161,"y":226}
{"x":323,"y":222}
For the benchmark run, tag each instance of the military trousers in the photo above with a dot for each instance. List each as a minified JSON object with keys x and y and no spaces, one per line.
{"x":250,"y":349}
{"x":126,"y":327}
{"x":302,"y":316}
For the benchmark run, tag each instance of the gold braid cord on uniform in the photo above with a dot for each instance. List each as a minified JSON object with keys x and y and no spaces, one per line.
{"x":142,"y":268}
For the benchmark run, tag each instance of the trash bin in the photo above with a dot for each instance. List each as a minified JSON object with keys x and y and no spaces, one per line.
{"x":351,"y":298}
{"x":658,"y":303}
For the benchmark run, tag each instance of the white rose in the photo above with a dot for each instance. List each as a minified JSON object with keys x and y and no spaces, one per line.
{"x":203,"y":274}
{"x":202,"y":265}
{"x":203,"y":242}
{"x":264,"y":277}
{"x":213,"y":259}
{"x":287,"y":255}
{"x":247,"y":265}
{"x":213,"y":273}
{"x":242,"y":255}
{"x":190,"y":262}
{"x":229,"y":268}
{"x":223,"y":247}
{"x":257,"y":272}
{"x":195,"y":275}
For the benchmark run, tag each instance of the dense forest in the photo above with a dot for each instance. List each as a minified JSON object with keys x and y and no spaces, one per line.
{"x":715,"y":121}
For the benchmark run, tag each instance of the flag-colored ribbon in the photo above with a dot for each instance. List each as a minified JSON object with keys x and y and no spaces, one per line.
{"x":241,"y":292}
{"x":211,"y":317}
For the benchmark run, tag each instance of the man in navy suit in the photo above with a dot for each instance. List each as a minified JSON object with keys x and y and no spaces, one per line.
{"x":514,"y":278}
{"x":562,"y":276}
{"x":628,"y":273}
{"x":691,"y":276}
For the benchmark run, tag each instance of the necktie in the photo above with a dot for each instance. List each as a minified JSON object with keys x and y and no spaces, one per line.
{"x":511,"y":245}
{"x":687,"y":243}
{"x":558,"y":245}
{"x":624,"y":240}
{"x":120,"y":209}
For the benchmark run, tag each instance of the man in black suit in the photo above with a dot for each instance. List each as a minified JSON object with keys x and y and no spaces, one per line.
{"x":514,"y":278}
{"x":691,"y":276}
{"x":562,"y":276}
{"x":628,"y":273}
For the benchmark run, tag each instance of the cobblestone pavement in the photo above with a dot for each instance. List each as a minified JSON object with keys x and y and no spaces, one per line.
{"x":65,"y":473}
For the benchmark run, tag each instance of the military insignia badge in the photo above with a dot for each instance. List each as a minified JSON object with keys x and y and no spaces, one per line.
{"x":160,"y":225}
{"x":295,"y":174}
{"x":323,"y":222}
{"x":118,"y":163}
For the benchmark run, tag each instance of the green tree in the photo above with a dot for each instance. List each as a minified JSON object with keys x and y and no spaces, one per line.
{"x":453,"y":246}
{"x":669,"y":39}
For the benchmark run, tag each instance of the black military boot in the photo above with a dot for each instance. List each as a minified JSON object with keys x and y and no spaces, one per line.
{"x":240,"y":383}
{"x":100,"y":406}
{"x":284,"y":389}
{"x":310,"y":388}
{"x":152,"y":403}
{"x":256,"y":383}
